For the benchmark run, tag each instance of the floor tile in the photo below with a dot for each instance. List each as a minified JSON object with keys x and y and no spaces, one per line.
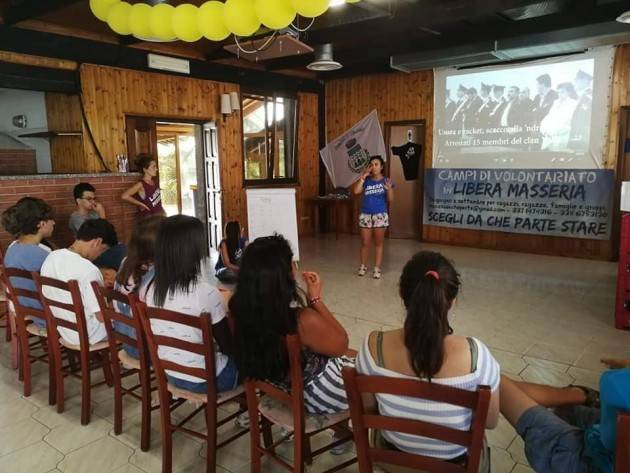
{"x":68,"y":437}
{"x":17,"y":436}
{"x":37,"y":458}
{"x":103,"y":456}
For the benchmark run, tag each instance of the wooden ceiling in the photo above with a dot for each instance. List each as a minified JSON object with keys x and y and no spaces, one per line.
{"x":364,"y":35}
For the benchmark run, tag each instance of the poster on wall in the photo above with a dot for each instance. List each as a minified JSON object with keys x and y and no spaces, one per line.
{"x":567,"y":203}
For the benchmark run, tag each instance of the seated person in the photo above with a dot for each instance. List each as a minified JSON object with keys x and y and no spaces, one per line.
{"x":426,"y":349}
{"x":113,"y":256}
{"x":576,"y":439}
{"x":30,"y":220}
{"x":136,"y":271}
{"x":75,"y":263}
{"x":178,"y":285}
{"x":87,"y":206}
{"x":230,"y":252}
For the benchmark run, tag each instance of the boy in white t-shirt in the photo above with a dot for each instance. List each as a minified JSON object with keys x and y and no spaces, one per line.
{"x":75,"y":263}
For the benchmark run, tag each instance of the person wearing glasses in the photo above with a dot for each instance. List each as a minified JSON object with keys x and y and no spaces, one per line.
{"x":88,"y":208}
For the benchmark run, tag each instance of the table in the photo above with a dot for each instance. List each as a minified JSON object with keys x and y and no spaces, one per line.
{"x":336,"y":208}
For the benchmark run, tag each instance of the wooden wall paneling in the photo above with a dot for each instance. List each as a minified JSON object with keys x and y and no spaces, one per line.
{"x":30,"y":60}
{"x":308,"y":160}
{"x":63,"y":112}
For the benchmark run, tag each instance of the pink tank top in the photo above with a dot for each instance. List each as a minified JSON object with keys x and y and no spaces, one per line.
{"x":152,"y":199}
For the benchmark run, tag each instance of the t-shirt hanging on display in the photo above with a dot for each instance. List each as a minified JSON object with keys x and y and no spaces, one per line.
{"x":409,"y":154}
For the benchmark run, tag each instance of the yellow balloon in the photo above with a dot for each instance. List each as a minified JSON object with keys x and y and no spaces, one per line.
{"x":118,"y":18}
{"x":210,"y":21}
{"x":275,"y":14}
{"x":240,"y":17}
{"x":100,"y":8}
{"x":185,"y":23}
{"x":161,"y":22}
{"x":310,"y":8}
{"x":139,"y":20}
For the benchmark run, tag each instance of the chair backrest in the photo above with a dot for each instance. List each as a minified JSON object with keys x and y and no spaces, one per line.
{"x":295,"y":398}
{"x":14,"y":293}
{"x":75,"y":307}
{"x":478,"y":401}
{"x":111,"y":317}
{"x":204,"y":348}
{"x":622,"y":454}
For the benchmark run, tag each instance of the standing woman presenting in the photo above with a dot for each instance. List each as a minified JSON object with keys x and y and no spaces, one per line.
{"x":377,"y":193}
{"x":146,"y":194}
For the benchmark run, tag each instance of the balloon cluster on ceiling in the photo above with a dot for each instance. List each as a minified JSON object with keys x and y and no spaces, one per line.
{"x":213,"y":20}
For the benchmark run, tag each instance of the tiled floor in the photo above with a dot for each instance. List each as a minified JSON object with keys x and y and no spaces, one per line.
{"x":546,"y":319}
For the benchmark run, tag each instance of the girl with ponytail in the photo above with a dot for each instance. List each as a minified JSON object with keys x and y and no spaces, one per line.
{"x":426,"y":348}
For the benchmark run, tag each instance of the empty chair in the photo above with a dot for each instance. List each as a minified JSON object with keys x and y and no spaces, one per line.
{"x":203,"y":346}
{"x":125,"y":365}
{"x":74,"y":322}
{"x":30,"y":336}
{"x":367,"y":417}
{"x":286,"y":409}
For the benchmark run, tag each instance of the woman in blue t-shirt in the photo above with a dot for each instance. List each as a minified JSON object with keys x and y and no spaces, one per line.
{"x":373,"y":221}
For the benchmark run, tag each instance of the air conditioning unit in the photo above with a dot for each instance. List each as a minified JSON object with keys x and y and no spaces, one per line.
{"x":167,"y":63}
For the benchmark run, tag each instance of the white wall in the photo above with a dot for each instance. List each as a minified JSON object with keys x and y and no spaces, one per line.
{"x":32,"y":104}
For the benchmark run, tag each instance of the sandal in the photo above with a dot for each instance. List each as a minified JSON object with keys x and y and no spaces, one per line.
{"x":592,"y":396}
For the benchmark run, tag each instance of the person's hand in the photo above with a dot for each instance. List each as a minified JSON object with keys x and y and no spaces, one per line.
{"x":144,"y":206}
{"x":109,"y":277}
{"x":367,"y":171}
{"x":615,"y":363}
{"x":388,"y":184}
{"x":313,"y":284}
{"x":99,"y":207}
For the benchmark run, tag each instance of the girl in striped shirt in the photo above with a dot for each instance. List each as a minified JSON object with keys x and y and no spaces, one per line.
{"x":426,"y":348}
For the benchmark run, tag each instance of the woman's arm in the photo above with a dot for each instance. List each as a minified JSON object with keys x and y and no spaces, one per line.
{"x":357,"y":188}
{"x":389,"y":187}
{"x":226,"y":257}
{"x":493,"y":410}
{"x":616,"y":363}
{"x":129,"y":193}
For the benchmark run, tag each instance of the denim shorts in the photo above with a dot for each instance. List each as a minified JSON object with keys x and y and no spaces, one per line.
{"x":552,"y":445}
{"x":226,"y":381}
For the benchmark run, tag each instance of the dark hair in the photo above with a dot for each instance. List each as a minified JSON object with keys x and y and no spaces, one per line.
{"x":544,"y":79}
{"x":24,"y":217}
{"x":140,"y":252}
{"x":427,"y":301}
{"x":143,"y":161}
{"x":82,"y":187}
{"x":569,"y":89}
{"x":232,"y":235}
{"x":98,"y":228}
{"x":180,"y":247}
{"x":380,"y":158}
{"x":264,"y":308}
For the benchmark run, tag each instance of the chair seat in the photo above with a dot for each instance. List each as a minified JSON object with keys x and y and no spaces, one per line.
{"x":96,"y":347}
{"x":199,"y":397}
{"x":36,"y":330}
{"x":281,"y":414}
{"x":128,"y":361}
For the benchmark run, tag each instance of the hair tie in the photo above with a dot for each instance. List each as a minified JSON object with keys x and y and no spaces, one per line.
{"x":433,"y":274}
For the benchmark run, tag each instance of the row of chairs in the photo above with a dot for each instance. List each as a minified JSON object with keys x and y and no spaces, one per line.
{"x":266,"y":404}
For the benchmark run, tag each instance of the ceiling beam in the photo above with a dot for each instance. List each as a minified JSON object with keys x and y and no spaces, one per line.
{"x":26,"y":9}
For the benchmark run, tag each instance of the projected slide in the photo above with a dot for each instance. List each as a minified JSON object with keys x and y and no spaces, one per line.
{"x":546,"y":114}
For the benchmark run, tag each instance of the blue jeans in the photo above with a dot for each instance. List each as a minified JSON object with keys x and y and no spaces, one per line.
{"x":226,"y":381}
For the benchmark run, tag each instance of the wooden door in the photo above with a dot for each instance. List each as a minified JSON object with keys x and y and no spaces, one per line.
{"x":213,"y":185}
{"x":405,"y":213}
{"x":141,"y":138}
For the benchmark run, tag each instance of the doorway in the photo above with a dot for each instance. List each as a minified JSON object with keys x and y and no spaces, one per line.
{"x":188,"y":167}
{"x":404,"y":141}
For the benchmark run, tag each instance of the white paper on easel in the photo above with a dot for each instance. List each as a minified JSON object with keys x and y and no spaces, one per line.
{"x":271,"y":211}
{"x":625,"y":197}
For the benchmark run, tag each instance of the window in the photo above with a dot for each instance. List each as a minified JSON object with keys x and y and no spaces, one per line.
{"x":269,"y":139}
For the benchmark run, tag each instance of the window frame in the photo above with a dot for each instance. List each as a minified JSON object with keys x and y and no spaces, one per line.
{"x":270,"y":133}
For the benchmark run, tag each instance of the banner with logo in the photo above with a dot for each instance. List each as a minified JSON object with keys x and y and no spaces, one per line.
{"x":575,"y":203}
{"x":346,"y":156}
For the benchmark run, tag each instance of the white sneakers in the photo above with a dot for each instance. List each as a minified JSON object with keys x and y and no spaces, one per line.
{"x":376,"y":274}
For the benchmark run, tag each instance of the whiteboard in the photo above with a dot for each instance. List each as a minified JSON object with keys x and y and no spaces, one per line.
{"x":272,"y":211}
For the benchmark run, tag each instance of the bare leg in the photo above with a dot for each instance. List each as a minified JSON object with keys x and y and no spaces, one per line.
{"x":366,"y":241}
{"x":549,"y":396}
{"x":514,"y":401}
{"x":379,"y":240}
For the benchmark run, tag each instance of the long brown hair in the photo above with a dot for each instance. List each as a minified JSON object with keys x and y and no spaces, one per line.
{"x":428,"y":286}
{"x":140,"y":253}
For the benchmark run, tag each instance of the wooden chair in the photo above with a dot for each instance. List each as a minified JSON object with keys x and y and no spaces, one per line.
{"x":4,"y":302}
{"x":90,"y":356}
{"x":208,"y":402}
{"x":622,"y":455}
{"x":279,"y":407}
{"x":29,"y":336}
{"x":478,"y":401}
{"x":123,"y":364}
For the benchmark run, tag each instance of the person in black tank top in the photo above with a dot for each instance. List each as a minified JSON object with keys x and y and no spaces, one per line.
{"x":145,"y":194}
